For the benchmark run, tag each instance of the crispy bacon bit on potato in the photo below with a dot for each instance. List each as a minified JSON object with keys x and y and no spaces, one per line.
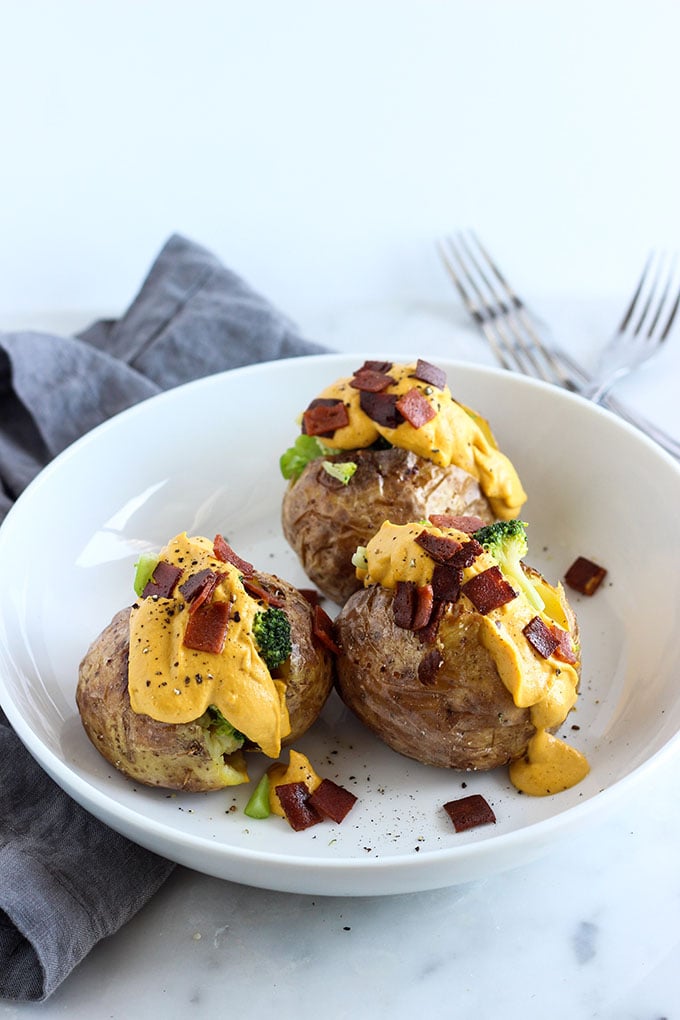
{"x":162,"y":582}
{"x":416,"y":409}
{"x":322,"y":628}
{"x":488,"y":590}
{"x":294,"y":798}
{"x":199,"y":588}
{"x":429,"y":373}
{"x":585,"y":576}
{"x":224,"y":552}
{"x":439,"y":548}
{"x":424,"y":606}
{"x":540,"y":637}
{"x":324,"y":416}
{"x":381,"y":408}
{"x":404,"y":604}
{"x":467,"y":554}
{"x":446,"y":581}
{"x":258,"y":591}
{"x":469,"y":812}
{"x":206,"y":630}
{"x":465,"y":522}
{"x":332,"y":801}
{"x":370,"y":381}
{"x":565,"y":646}
{"x":375,"y":366}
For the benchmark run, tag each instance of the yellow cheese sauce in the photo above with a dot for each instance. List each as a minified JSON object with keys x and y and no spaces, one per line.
{"x":546,"y":686}
{"x":175,"y":684}
{"x":298,"y":770}
{"x":456,"y":435}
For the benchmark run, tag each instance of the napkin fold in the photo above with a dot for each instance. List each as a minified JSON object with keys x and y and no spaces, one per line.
{"x":66,"y":880}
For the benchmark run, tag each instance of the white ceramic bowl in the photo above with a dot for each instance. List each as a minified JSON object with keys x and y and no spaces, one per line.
{"x":204,"y":458}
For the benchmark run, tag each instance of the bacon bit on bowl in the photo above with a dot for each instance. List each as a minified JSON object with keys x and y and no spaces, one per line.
{"x":324,"y":416}
{"x":332,"y":801}
{"x":429,"y":373}
{"x":416,"y":409}
{"x":585,"y":576}
{"x":294,"y":798}
{"x":469,"y":812}
{"x":488,"y":590}
{"x":540,"y":637}
{"x":207,"y":628}
{"x":162,"y":582}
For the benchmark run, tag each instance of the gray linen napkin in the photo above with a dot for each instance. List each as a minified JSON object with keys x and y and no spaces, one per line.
{"x":66,"y":880}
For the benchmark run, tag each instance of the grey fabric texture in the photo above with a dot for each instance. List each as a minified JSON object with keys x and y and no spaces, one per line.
{"x":66,"y":880}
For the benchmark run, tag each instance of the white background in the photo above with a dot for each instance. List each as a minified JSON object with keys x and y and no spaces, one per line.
{"x":320,"y":147}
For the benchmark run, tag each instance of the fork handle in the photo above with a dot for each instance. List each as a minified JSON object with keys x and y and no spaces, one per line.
{"x":669,"y":443}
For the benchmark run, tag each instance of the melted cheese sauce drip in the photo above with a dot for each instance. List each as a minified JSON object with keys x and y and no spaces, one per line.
{"x":456,"y":435}
{"x":547,"y":687}
{"x":175,"y":684}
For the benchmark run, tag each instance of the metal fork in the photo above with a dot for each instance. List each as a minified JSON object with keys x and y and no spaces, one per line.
{"x":520,"y":345}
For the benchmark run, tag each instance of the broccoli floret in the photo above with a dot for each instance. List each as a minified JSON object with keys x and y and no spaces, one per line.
{"x":271,"y":630}
{"x":506,"y":541}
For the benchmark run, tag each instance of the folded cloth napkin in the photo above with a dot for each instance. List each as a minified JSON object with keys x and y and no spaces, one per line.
{"x":66,"y":880}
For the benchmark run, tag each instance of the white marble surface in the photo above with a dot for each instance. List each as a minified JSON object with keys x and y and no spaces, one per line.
{"x":320,"y":149}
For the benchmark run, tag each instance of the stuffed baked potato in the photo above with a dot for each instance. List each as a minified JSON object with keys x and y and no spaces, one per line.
{"x":388,"y":443}
{"x":455,"y":662}
{"x":197,"y":746}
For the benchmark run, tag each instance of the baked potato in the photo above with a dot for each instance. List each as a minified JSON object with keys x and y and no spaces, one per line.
{"x":325,"y":520}
{"x":205,"y":750}
{"x":448,"y":658}
{"x":388,"y":443}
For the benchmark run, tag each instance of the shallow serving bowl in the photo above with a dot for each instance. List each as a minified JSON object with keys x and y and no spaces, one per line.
{"x":204,"y":458}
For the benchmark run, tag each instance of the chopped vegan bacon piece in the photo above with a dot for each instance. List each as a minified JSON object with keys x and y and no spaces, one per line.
{"x":585,"y":576}
{"x":428,"y":634}
{"x":163,"y":580}
{"x":381,"y":408}
{"x":429,"y":373}
{"x":324,"y":416}
{"x":299,"y":812}
{"x":199,"y":588}
{"x":488,"y":590}
{"x":207,"y":628}
{"x":223,"y":551}
{"x":446,"y":581}
{"x":404,"y":604}
{"x":467,"y":554}
{"x":424,"y":606}
{"x":332,"y":801}
{"x":469,"y":812}
{"x":467,"y":523}
{"x":375,"y":366}
{"x":322,"y":627}
{"x":370,"y":381}
{"x":540,"y":637}
{"x":258,"y":592}
{"x":416,"y":408}
{"x":311,"y":595}
{"x":440,"y":548}
{"x":565,"y":646}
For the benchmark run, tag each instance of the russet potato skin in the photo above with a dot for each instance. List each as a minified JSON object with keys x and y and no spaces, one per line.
{"x":324,"y":521}
{"x":175,"y":756}
{"x":459,"y":716}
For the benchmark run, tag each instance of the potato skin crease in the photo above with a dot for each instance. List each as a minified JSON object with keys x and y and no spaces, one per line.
{"x":461,"y":717}
{"x":325,"y":521}
{"x":176,"y":756}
